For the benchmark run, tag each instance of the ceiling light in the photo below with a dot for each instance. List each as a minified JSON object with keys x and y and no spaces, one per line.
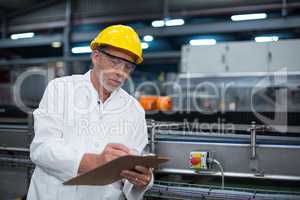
{"x":248,"y":17}
{"x":145,"y":45}
{"x":148,"y":38}
{"x":174,"y":22}
{"x":82,"y":49}
{"x":56,"y":44}
{"x":158,"y":23}
{"x":168,"y":22}
{"x":197,"y":42}
{"x":22,"y":35}
{"x":266,"y":39}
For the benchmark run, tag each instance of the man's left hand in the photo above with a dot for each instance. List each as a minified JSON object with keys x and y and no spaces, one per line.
{"x":141,"y":177}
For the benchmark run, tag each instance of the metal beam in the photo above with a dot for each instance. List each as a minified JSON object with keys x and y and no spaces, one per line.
{"x":67,"y":36}
{"x":36,"y":26}
{"x":45,"y":60}
{"x":34,"y":61}
{"x":4,"y":28}
{"x":35,"y":41}
{"x":217,"y":27}
{"x":32,"y":8}
{"x":237,"y":9}
{"x":67,"y":29}
{"x":79,"y":19}
{"x":222,"y":27}
{"x":164,"y":54}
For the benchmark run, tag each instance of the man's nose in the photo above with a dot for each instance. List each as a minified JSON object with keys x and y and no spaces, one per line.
{"x":120,"y":73}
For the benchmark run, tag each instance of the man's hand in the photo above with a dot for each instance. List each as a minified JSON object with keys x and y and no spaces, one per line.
{"x":141,"y":177}
{"x":111,"y":151}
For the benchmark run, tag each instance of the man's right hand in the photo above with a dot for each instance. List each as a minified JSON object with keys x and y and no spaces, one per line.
{"x":111,"y":151}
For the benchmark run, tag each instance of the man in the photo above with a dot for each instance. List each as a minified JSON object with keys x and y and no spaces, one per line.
{"x":84,"y":121}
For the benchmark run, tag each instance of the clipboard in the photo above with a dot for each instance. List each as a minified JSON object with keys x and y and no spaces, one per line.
{"x":110,"y":172}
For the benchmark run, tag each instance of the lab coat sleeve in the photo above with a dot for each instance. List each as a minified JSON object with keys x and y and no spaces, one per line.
{"x":131,"y":192}
{"x":49,"y":150}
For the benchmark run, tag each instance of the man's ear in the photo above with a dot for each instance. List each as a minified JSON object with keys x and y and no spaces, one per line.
{"x":94,"y":55}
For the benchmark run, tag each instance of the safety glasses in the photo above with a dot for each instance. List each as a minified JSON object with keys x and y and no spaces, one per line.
{"x":118,"y":63}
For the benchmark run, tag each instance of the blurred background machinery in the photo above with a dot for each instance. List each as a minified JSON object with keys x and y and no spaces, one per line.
{"x":220,"y":85}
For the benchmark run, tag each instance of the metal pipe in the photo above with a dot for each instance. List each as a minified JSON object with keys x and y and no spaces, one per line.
{"x":16,"y":160}
{"x":166,"y":9}
{"x":253,"y":130}
{"x":13,"y":127}
{"x":284,"y":10}
{"x":153,"y":126}
{"x":67,"y":36}
{"x":152,"y":137}
{"x":14,"y":130}
{"x":221,"y":170}
{"x":227,"y":174}
{"x":4,"y":27}
{"x":14,"y":149}
{"x":253,"y":141}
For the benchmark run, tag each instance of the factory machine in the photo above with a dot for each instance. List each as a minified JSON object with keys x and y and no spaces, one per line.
{"x":229,"y":136}
{"x":19,"y":94}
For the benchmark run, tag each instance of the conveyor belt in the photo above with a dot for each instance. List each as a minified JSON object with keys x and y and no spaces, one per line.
{"x":174,"y":190}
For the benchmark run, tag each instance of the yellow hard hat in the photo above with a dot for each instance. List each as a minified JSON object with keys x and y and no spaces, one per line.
{"x":120,"y":36}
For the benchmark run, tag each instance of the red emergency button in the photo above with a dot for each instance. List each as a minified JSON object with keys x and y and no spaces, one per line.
{"x":195,"y":161}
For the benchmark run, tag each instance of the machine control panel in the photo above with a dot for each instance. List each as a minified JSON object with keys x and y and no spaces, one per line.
{"x":198,"y":160}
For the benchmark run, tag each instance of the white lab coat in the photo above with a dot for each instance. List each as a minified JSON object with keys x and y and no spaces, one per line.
{"x":71,"y":121}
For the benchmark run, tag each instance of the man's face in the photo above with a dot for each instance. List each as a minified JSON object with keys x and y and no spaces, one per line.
{"x":112,"y":67}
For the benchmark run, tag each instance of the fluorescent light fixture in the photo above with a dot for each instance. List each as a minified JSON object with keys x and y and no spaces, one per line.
{"x":197,"y":42}
{"x":56,"y":44}
{"x":168,"y":22}
{"x":145,"y":45}
{"x":248,"y":17}
{"x":158,"y":23}
{"x":148,"y":38}
{"x":21,"y":35}
{"x":266,"y":39}
{"x":83,"y":49}
{"x":174,"y":22}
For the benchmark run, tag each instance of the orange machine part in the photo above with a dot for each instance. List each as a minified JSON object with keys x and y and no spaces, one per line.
{"x":164,"y":103}
{"x":148,"y":102}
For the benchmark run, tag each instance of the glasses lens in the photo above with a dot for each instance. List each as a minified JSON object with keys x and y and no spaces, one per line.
{"x":119,"y":62}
